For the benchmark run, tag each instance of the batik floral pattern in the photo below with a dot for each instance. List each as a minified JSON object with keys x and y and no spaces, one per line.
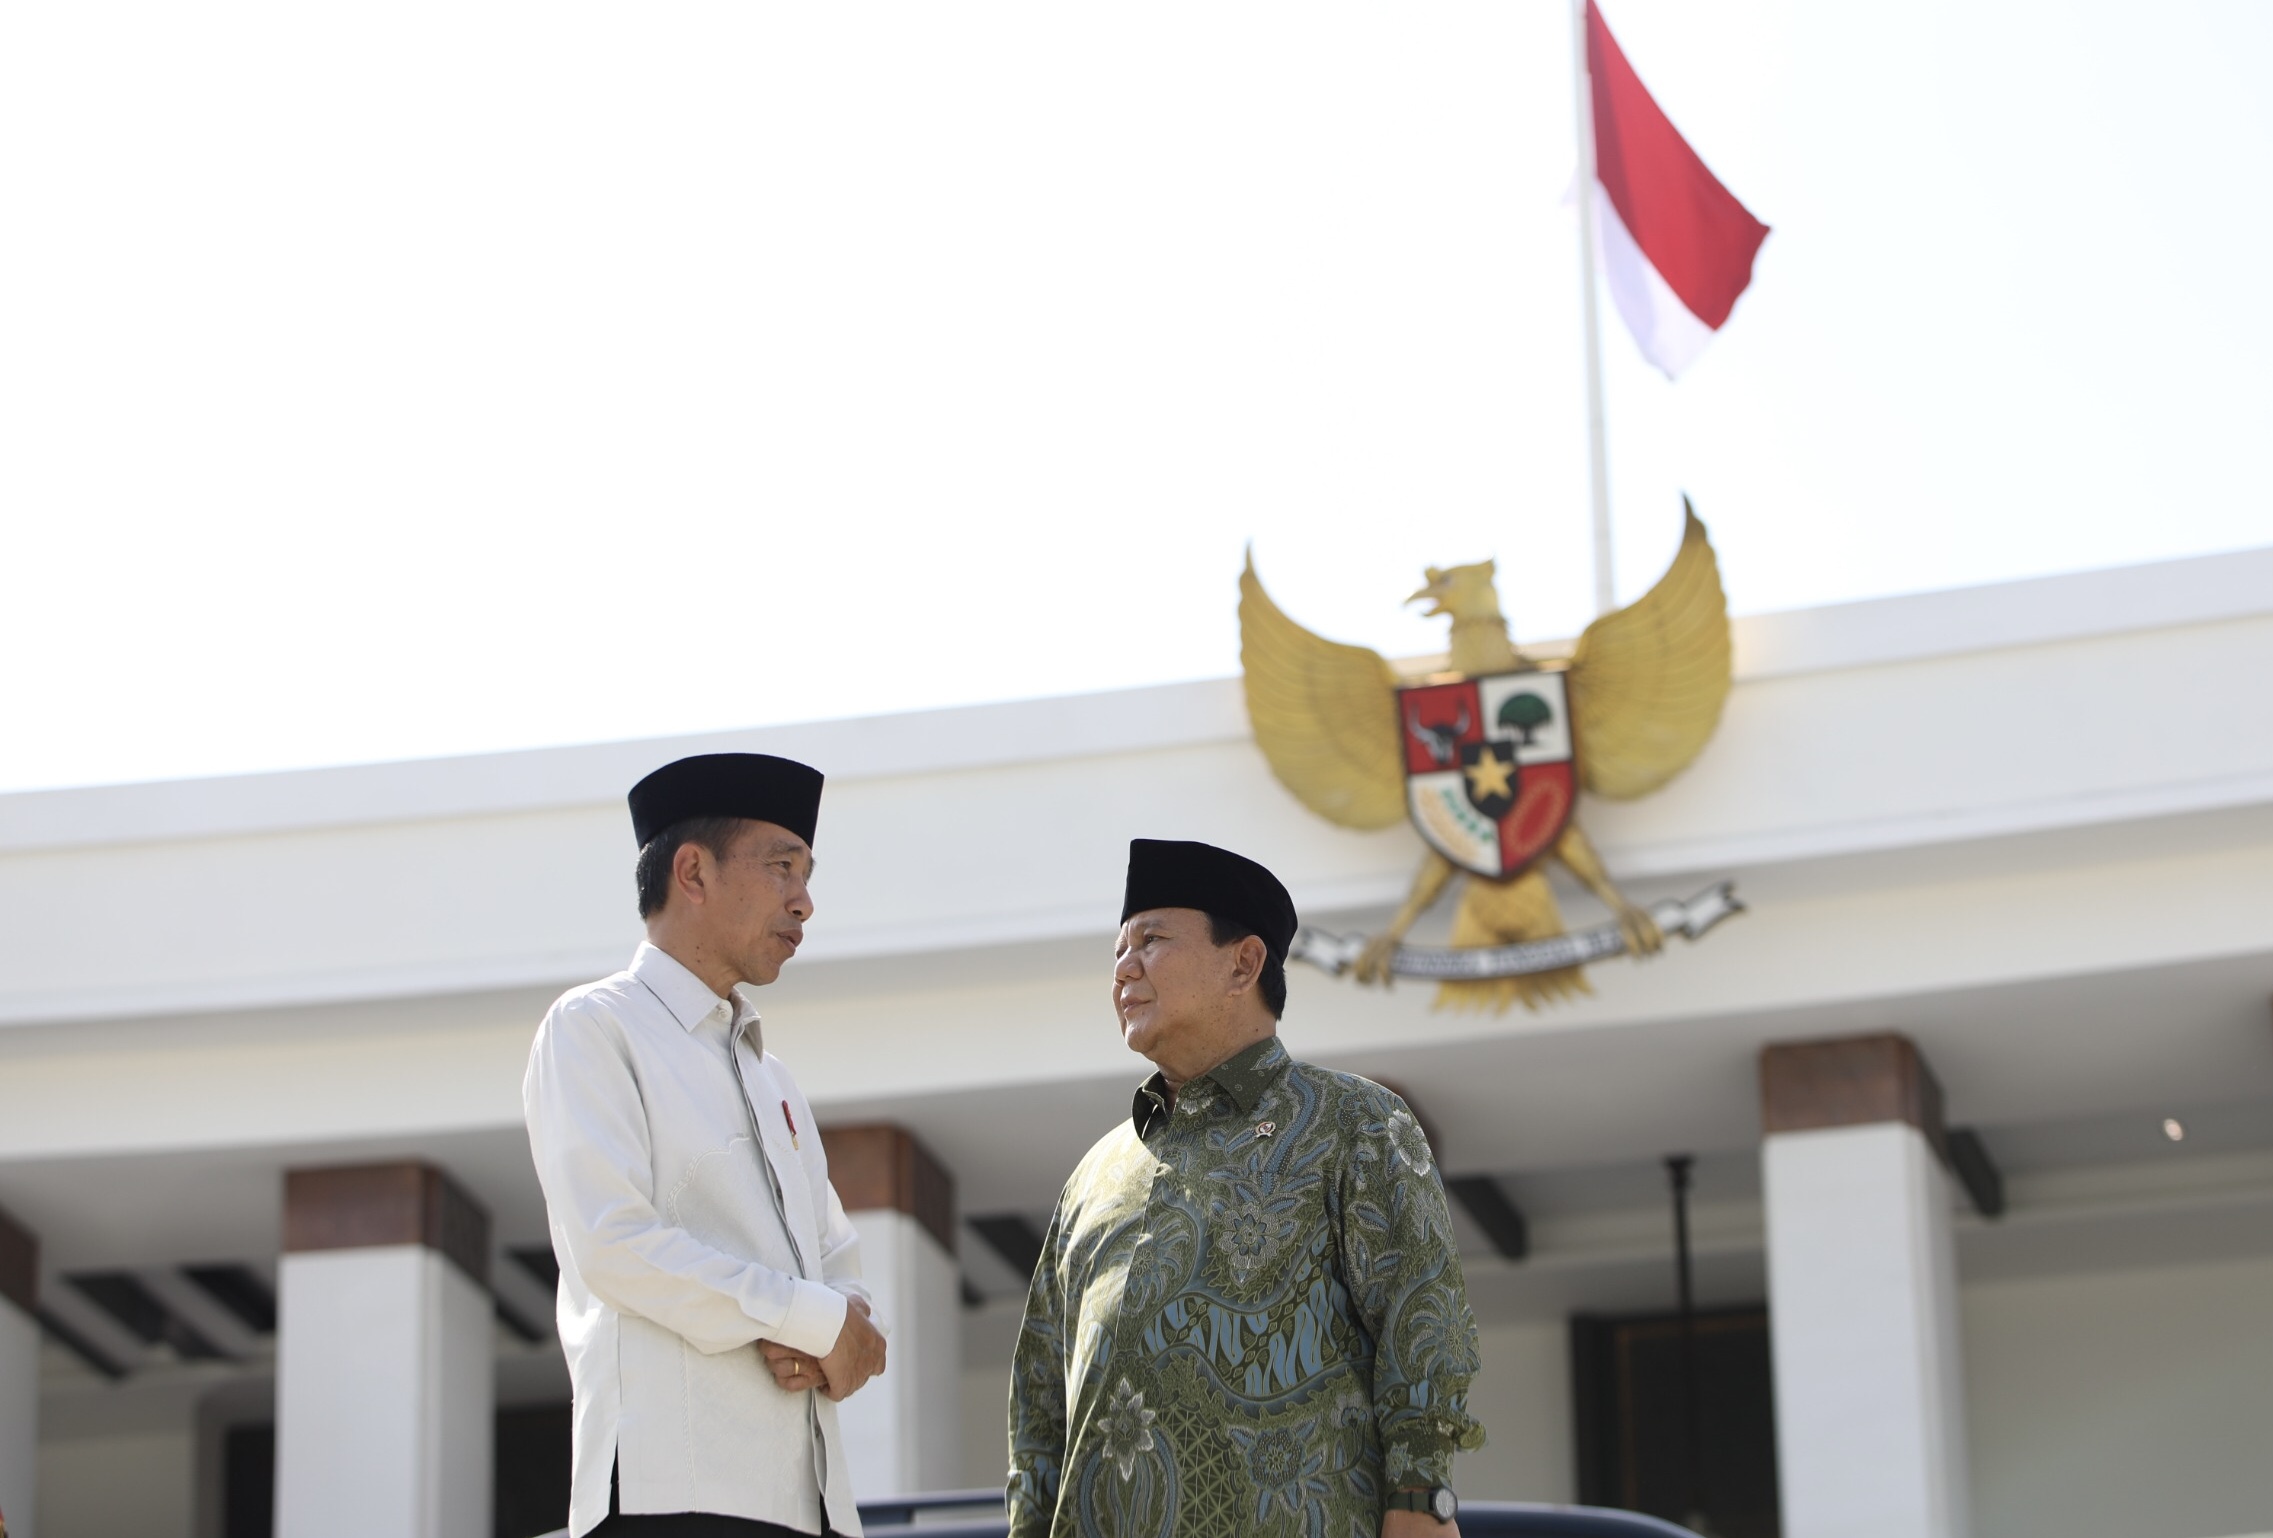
{"x":1287,"y":1467}
{"x":1128,"y":1428}
{"x":1251,"y":1236}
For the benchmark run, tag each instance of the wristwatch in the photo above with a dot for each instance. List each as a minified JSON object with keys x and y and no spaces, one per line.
{"x":1439,"y":1502}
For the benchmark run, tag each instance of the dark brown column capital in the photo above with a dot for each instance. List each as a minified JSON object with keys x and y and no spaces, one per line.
{"x":1847,"y":1082}
{"x":883,"y":1168}
{"x":363,"y":1205}
{"x":19,"y":1264}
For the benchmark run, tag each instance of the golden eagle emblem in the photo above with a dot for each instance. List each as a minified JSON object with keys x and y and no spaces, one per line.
{"x":1486,"y":758}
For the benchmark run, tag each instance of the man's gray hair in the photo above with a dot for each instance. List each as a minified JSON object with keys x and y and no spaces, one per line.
{"x":653,"y":872}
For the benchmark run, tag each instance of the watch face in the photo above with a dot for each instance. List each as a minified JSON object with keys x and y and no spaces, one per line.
{"x":1443,"y":1504}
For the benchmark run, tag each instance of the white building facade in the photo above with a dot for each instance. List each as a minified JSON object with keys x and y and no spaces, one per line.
{"x":2007,"y":855}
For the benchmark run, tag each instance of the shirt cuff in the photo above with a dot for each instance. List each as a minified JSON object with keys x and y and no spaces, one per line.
{"x":1421,"y":1455}
{"x":876,"y":1321}
{"x":814,"y":1321}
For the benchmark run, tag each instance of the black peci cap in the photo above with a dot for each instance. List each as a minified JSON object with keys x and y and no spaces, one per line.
{"x":756,"y":785}
{"x":1169,"y":873}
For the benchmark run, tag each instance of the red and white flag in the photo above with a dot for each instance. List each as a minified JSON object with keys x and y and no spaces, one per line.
{"x":1676,"y":245}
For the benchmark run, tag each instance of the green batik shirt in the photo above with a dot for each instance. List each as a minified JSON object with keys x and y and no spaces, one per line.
{"x":1248,"y":1317}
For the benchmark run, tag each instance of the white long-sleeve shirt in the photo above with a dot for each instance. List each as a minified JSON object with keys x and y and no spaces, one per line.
{"x":692,"y":1216}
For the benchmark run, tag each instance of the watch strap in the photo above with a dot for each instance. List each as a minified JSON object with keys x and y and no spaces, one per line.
{"x":1434,"y":1501}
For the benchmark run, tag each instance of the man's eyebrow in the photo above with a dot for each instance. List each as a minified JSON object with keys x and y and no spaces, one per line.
{"x":782,"y":846}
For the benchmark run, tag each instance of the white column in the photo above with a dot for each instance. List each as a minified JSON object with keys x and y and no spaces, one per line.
{"x":1862,"y":1294}
{"x":903,"y":1432}
{"x":19,"y":1379}
{"x":384,"y":1358}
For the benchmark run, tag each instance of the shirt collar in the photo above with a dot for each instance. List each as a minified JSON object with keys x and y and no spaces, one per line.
{"x":685,"y":995}
{"x":1247,"y":1073}
{"x":1243,"y":1077}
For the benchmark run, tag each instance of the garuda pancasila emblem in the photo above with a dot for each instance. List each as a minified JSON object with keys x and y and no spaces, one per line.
{"x":1487,"y":759}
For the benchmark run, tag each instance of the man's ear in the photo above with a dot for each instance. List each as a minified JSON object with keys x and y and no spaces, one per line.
{"x":1247,"y":963}
{"x":687,"y":873}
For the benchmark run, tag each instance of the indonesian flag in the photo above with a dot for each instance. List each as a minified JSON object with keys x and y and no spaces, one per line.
{"x":1677,"y":246}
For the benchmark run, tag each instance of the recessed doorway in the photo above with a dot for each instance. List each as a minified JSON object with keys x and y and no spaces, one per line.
{"x":1631,"y":1419}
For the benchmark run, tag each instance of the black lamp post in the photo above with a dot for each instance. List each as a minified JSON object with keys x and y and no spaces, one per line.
{"x":1677,"y":1167}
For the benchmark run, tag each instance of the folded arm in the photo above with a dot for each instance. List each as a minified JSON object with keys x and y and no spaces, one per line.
{"x":859,"y":1352}
{"x":588,"y":1135}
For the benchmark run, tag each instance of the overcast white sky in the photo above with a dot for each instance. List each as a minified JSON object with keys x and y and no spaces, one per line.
{"x":387,"y":381}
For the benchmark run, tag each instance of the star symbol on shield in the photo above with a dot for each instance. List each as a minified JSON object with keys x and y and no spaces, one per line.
{"x":1489,"y":776}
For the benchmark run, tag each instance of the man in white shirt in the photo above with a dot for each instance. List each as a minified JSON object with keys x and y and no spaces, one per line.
{"x":710,"y":1298}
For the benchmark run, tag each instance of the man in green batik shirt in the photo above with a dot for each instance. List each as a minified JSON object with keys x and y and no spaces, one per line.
{"x":1248,"y":1316}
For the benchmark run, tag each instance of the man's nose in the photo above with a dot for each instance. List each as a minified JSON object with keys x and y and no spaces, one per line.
{"x":1128,"y":969}
{"x":801,"y":903}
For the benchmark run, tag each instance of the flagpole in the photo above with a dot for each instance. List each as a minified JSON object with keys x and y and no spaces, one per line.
{"x":1597,"y":449}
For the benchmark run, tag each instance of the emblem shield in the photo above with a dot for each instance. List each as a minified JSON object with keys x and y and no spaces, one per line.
{"x":1491,"y":771}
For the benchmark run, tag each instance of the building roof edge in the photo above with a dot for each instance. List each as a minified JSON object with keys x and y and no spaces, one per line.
{"x":1869,"y":633}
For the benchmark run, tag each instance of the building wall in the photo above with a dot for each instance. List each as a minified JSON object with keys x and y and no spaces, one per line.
{"x":2122,"y":1404}
{"x":2110,"y":1404}
{"x":134,"y":1486}
{"x":19,"y":1419}
{"x":1523,"y":1397}
{"x":985,"y":1403}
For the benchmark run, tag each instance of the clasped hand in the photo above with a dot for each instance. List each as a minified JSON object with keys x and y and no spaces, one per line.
{"x":857,"y":1356}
